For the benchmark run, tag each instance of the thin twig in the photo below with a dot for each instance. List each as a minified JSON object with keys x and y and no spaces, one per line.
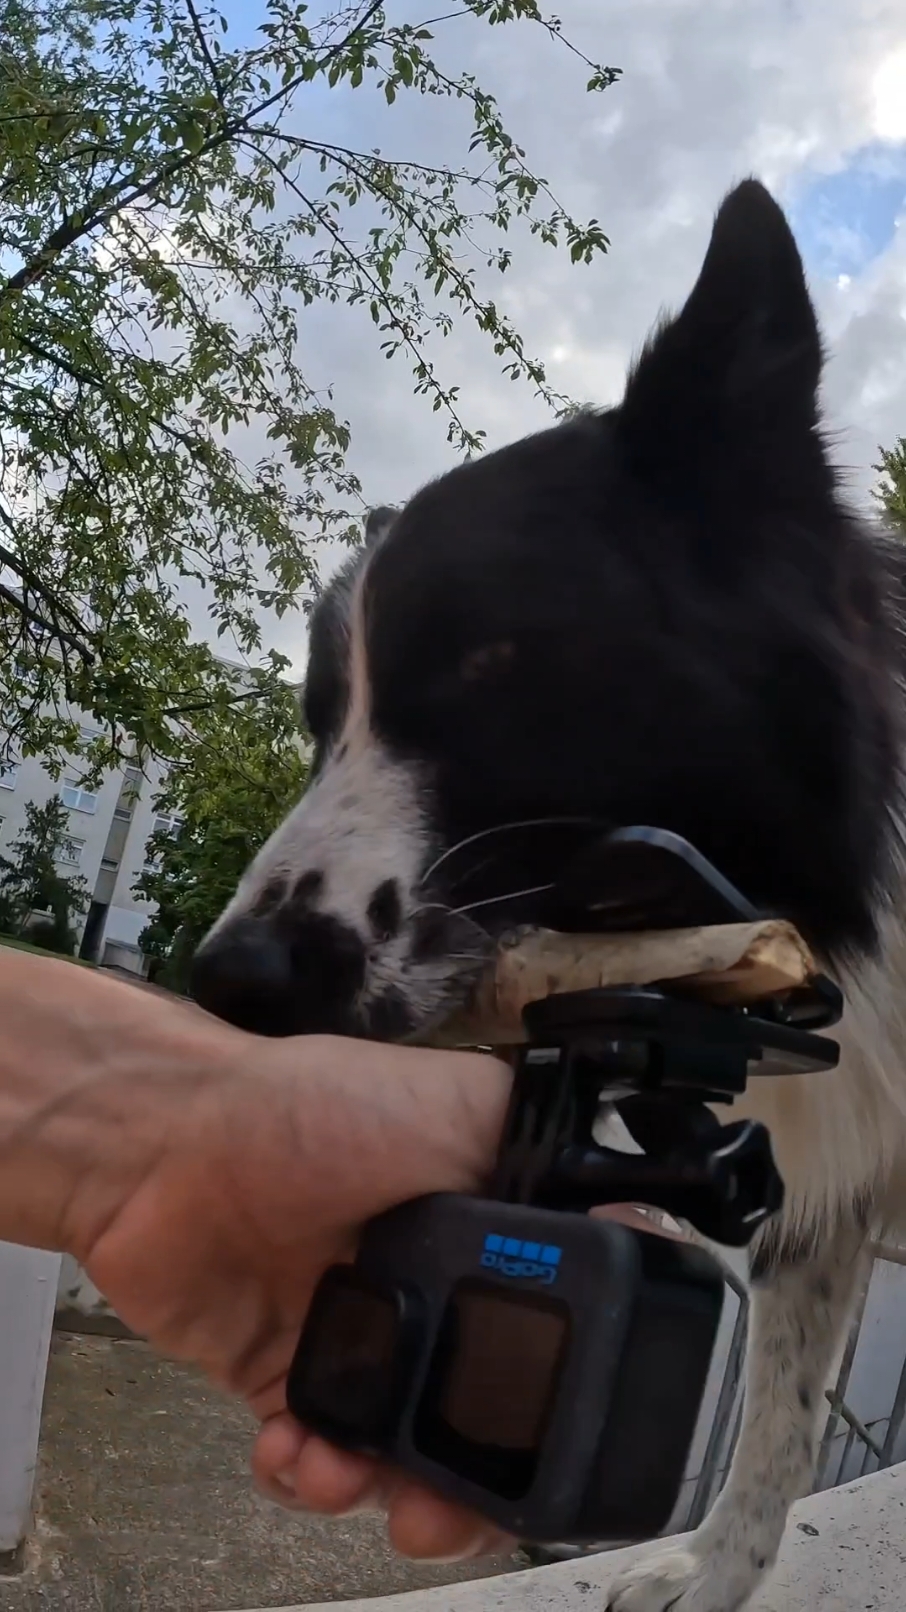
{"x":206,"y":53}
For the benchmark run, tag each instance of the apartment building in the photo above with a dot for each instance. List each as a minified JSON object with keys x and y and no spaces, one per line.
{"x":109,"y":829}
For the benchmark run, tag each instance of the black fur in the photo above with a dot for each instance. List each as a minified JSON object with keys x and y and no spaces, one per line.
{"x":697,"y":628}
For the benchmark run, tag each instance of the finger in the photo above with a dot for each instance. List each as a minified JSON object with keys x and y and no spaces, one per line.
{"x":295,"y":1467}
{"x":424,"y":1527}
{"x":275,"y":1456}
{"x":336,"y":1482}
{"x":298,"y":1469}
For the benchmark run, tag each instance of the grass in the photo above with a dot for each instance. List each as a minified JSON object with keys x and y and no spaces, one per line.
{"x":41,"y":951}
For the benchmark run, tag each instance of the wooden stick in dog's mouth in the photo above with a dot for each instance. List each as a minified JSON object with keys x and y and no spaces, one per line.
{"x":724,"y":963}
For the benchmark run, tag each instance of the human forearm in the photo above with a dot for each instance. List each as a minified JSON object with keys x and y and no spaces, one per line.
{"x":98,"y":1079}
{"x":90,"y":1071}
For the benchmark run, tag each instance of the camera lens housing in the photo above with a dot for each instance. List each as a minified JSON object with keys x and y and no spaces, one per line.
{"x":545,"y":1368}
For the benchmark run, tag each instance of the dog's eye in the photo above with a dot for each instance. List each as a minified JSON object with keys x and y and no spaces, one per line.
{"x":490,"y":658}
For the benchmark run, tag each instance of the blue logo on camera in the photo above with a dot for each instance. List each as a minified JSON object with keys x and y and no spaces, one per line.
{"x":509,"y":1256}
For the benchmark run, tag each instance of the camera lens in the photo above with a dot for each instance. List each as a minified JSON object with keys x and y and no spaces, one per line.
{"x":491,"y":1383}
{"x":347,"y":1369}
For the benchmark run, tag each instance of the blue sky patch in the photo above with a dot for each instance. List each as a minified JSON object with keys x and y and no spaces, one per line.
{"x":845,"y":219}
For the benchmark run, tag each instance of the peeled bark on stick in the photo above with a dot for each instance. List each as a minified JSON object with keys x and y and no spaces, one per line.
{"x":724,"y":963}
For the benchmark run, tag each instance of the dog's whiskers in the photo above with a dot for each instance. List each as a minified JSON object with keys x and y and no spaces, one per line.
{"x":448,"y":912}
{"x":506,"y":828}
{"x":470,"y":873}
{"x":492,"y":901}
{"x":465,"y":957}
{"x":430,"y":906}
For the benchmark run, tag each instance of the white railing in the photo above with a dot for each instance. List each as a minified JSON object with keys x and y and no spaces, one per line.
{"x":28,"y":1292}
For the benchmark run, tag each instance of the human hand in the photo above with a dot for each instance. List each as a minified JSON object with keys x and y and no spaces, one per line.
{"x":206,"y":1178}
{"x":268,"y":1164}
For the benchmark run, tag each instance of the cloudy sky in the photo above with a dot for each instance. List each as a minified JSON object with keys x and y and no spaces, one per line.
{"x":810,"y":95}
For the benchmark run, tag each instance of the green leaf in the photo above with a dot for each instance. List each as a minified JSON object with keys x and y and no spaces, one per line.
{"x":191,"y":133}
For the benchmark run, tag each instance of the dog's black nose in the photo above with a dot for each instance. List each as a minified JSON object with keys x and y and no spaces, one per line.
{"x":244,"y":974}
{"x":281,"y":976}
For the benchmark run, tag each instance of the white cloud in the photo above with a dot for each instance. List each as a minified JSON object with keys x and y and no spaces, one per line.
{"x":889,"y":96}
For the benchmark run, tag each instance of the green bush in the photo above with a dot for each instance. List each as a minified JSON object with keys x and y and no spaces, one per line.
{"x":54,"y":935}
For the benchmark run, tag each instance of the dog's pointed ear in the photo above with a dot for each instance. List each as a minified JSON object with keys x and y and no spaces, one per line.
{"x":378,"y":523}
{"x":731,"y":383}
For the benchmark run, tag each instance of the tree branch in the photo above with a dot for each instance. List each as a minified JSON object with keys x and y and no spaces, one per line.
{"x":208,"y":705}
{"x":326,"y":148}
{"x":125,"y":193}
{"x":324,"y":61}
{"x":467,"y":295}
{"x":205,"y":49}
{"x":407,"y":340}
{"x":23,"y":609}
{"x":129,"y":190}
{"x":56,"y":606}
{"x":83,"y":376}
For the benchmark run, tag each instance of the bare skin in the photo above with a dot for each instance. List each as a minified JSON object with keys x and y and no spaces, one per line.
{"x":206,"y":1178}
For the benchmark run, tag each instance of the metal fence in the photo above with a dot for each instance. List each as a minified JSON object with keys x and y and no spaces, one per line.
{"x":872,"y":1453}
{"x":727,"y":1415}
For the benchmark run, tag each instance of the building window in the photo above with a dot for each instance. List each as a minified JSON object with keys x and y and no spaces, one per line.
{"x":164,"y":823}
{"x":70,"y":852}
{"x":78,"y":799}
{"x":167,"y":824}
{"x":109,"y":864}
{"x":88,"y":735}
{"x":129,"y":794}
{"x":9,"y":772}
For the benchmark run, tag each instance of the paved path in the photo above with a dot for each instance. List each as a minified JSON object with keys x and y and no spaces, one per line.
{"x":145,"y":1504}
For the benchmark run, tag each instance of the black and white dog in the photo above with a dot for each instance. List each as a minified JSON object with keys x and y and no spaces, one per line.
{"x":662,"y":613}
